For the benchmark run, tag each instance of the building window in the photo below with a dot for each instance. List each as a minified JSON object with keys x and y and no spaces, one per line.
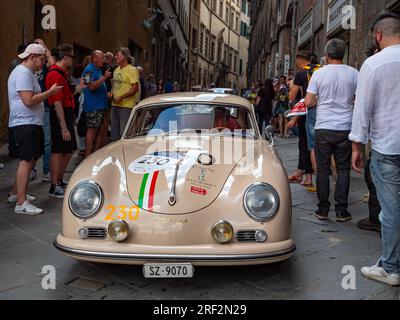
{"x":207,"y":44}
{"x":235,"y":62}
{"x":219,"y":51}
{"x":194,"y":39}
{"x":201,"y":40}
{"x":237,"y":22}
{"x":214,"y":5}
{"x":212,"y":49}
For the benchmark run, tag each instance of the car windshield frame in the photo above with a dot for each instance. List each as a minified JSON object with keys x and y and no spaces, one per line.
{"x":251,"y":115}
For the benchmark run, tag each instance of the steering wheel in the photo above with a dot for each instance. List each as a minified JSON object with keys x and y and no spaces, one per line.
{"x":219,"y":128}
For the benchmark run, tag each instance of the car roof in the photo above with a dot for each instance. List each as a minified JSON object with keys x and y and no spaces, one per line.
{"x":197,"y":97}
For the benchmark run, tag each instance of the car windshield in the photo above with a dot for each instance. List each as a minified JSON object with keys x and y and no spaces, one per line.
{"x":191,"y":118}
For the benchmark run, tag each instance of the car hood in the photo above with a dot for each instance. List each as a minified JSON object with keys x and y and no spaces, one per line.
{"x":152,"y":165}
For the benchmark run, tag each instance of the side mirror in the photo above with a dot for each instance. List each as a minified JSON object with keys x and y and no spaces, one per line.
{"x":269,"y":134}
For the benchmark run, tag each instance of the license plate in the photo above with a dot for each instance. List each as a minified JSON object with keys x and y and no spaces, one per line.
{"x":168,"y":270}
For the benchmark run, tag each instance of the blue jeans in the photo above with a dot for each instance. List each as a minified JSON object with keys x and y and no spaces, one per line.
{"x":310,"y":127}
{"x":47,"y":142}
{"x":386,"y":175}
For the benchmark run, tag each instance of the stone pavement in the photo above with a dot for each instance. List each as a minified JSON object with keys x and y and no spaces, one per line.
{"x":314,"y":272}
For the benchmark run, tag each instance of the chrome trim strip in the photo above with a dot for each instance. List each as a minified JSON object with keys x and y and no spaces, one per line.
{"x":172,"y":195}
{"x":133,"y":256}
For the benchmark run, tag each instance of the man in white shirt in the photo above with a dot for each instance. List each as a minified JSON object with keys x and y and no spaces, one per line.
{"x":26,"y":121}
{"x":376,"y":117}
{"x":332,"y":89}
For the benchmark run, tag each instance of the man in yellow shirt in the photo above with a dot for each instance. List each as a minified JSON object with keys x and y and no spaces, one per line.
{"x":126,"y":92}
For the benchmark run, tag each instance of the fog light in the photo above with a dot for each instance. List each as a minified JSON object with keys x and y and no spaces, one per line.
{"x":118,"y":230}
{"x":83,"y":233}
{"x":261,"y":236}
{"x":222,"y":232}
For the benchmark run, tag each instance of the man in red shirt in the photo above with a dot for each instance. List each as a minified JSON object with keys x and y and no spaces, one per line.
{"x":62,"y":119}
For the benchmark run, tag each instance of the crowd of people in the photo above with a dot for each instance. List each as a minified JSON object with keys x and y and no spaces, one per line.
{"x":58,"y":106}
{"x":271,"y":101}
{"x":346,"y":110}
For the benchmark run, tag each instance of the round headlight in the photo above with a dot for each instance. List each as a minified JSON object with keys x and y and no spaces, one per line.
{"x":86,"y":200}
{"x":261,"y":202}
{"x":222,"y":232}
{"x":118,"y":230}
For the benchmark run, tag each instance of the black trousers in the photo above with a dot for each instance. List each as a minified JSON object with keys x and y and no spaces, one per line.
{"x":336,"y":143}
{"x":261,"y":117}
{"x":373,"y":205}
{"x":305,"y":163}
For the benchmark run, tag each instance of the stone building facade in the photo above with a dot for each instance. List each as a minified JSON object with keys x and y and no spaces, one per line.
{"x":156,"y":32}
{"x":245,"y":8}
{"x":280,"y":28}
{"x":217,"y":44}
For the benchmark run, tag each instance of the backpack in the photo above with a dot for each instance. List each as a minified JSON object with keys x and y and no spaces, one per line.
{"x":310,"y":69}
{"x":63,"y":75}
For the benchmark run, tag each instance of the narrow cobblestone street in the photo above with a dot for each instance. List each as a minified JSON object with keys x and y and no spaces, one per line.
{"x":314,"y":272}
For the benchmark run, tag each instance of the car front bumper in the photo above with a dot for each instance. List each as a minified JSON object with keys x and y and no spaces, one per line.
{"x":260,"y":253}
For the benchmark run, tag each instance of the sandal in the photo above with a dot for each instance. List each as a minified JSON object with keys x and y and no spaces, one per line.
{"x":295,"y":179}
{"x":312,"y":189}
{"x":307,"y":185}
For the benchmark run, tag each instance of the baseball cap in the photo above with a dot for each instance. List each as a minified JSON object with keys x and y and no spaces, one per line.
{"x":32,"y":49}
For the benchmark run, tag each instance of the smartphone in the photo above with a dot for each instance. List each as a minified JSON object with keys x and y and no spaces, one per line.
{"x":88,"y":78}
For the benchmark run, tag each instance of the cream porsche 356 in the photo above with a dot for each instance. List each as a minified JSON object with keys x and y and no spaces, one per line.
{"x":191,"y":183}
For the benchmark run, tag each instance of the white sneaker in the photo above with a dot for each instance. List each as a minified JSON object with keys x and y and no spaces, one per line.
{"x":379,"y":274}
{"x":46,"y":177}
{"x":28,"y":209}
{"x":14,"y":198}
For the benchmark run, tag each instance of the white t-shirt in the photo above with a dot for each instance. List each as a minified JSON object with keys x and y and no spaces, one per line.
{"x":23,"y":79}
{"x":335,"y":85}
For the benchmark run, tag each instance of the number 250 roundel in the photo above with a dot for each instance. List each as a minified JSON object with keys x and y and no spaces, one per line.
{"x":149,"y":164}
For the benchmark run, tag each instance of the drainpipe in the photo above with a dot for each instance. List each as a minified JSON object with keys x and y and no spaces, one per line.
{"x":294,"y":35}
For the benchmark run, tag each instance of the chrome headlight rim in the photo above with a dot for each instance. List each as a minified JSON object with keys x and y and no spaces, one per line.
{"x":272,"y":213}
{"x":226,"y":223}
{"x":100,"y":205}
{"x":126,"y":224}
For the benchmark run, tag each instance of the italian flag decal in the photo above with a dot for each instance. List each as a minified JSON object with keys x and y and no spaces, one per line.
{"x":147,"y":190}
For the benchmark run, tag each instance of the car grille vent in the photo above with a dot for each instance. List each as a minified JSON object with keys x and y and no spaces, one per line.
{"x":97,"y":233}
{"x":246,"y":236}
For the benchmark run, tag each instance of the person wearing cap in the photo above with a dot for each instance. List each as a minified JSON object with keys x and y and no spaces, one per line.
{"x":12,"y":147}
{"x":126,"y":92}
{"x":26,"y":121}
